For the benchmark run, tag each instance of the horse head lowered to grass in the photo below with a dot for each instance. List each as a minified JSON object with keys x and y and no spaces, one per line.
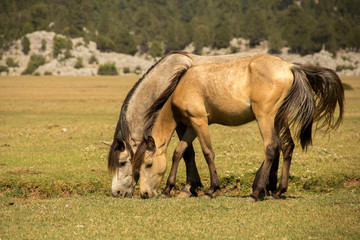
{"x":265,"y":88}
{"x":130,"y":126}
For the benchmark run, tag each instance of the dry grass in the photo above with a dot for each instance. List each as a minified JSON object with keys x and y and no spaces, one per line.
{"x":54,"y":183}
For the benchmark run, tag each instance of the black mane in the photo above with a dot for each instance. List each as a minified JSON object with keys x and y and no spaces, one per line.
{"x":152,"y":114}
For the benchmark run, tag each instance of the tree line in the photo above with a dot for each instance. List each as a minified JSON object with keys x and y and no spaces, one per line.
{"x":160,"y":26}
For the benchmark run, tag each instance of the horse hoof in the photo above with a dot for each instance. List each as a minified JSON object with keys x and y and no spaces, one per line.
{"x":274,"y":197}
{"x":251,"y":199}
{"x":164,"y":195}
{"x":207,"y":196}
{"x":184,"y":194}
{"x":193,"y":194}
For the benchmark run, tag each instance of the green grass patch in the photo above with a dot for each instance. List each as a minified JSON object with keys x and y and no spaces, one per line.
{"x":326,"y":216}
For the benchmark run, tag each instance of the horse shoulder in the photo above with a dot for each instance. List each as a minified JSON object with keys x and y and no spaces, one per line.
{"x":187,"y":98}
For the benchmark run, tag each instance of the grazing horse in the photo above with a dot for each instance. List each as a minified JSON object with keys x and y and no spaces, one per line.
{"x":130,"y":126}
{"x":265,"y":88}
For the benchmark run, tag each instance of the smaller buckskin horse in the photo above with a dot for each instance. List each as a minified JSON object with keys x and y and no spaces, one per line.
{"x":277,"y":94}
{"x":130,"y":126}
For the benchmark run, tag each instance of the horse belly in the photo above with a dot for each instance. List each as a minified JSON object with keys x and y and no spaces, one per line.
{"x":234,"y":113}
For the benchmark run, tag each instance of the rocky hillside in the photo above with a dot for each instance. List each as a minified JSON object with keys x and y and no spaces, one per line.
{"x":88,"y":57}
{"x":84,"y":59}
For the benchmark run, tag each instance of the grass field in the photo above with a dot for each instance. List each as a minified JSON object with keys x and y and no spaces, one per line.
{"x":54,"y":182}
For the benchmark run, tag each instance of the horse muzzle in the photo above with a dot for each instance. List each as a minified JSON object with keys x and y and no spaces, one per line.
{"x":117,"y":194}
{"x":147,"y":194}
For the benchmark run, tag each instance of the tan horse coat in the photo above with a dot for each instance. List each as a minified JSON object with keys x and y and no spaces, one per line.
{"x":231,"y":93}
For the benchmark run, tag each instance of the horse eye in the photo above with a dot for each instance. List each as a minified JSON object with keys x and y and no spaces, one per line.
{"x":121,"y":164}
{"x":149,"y":165}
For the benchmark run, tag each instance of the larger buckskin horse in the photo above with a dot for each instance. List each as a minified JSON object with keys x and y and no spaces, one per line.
{"x":130,"y":126}
{"x":265,"y":88}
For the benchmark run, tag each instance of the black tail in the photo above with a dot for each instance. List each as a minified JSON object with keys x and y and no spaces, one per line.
{"x":314,"y":95}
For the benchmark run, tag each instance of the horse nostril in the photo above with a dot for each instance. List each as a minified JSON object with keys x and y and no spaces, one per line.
{"x":127,"y":194}
{"x":116,"y":194}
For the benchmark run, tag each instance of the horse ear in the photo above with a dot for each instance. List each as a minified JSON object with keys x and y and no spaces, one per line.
{"x":150,"y":142}
{"x":107,"y":143}
{"x":121,"y":144}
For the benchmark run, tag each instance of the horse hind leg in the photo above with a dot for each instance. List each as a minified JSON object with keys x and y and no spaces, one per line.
{"x":273,"y":176}
{"x":287,"y":147}
{"x":184,"y":149}
{"x":272,"y":181}
{"x":272,"y":153}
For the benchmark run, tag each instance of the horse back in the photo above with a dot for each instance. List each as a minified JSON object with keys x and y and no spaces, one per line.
{"x":225,"y":92}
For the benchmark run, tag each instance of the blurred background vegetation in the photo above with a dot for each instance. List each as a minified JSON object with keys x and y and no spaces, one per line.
{"x":159,"y":26}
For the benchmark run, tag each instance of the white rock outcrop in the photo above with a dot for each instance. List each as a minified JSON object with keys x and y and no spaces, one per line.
{"x":42,"y":43}
{"x":61,"y":66}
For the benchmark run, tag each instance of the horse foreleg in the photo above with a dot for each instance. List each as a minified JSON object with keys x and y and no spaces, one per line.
{"x":181,"y":149}
{"x":202,"y":131}
{"x":192,"y":175}
{"x":287,"y":146}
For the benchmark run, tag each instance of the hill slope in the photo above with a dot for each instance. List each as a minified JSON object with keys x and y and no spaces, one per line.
{"x":81,"y":58}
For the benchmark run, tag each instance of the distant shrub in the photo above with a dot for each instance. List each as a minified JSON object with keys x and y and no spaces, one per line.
{"x":275,"y":43}
{"x":138,"y":70}
{"x":105,"y":44}
{"x":156,"y":49}
{"x":67,"y":54}
{"x":28,"y":27}
{"x":347,"y":86}
{"x":43,"y":45}
{"x":234,"y":49}
{"x":25,"y":42}
{"x":79,"y":63}
{"x":35,"y":62}
{"x":61,"y":43}
{"x":79,"y":44}
{"x":11,"y":63}
{"x":2,"y":41}
{"x":4,"y":68}
{"x":47,"y":73}
{"x":339,"y":68}
{"x":93,"y":59}
{"x":107,"y":69}
{"x":126,"y":70}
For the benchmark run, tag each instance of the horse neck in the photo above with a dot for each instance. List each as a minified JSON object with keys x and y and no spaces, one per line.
{"x":151,"y":87}
{"x":163,"y":128}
